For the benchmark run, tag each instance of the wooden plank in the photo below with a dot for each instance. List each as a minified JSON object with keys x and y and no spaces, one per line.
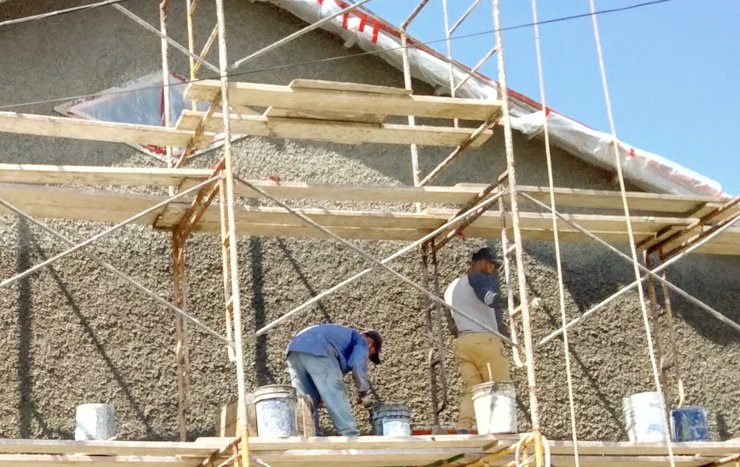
{"x":494,"y":442}
{"x":98,"y":206}
{"x":462,"y":193}
{"x":94,"y":175}
{"x":709,"y":448}
{"x":286,"y":97}
{"x":325,"y":115}
{"x":97,"y":461}
{"x":87,"y":175}
{"x":251,"y":416}
{"x":680,"y":239}
{"x":631,"y":461}
{"x":380,"y":457}
{"x":63,"y":127}
{"x":344,"y":87}
{"x":226,"y":421}
{"x":363,"y":193}
{"x":335,"y":131}
{"x":276,"y":230}
{"x":104,"y":206}
{"x":604,"y":199}
{"x":434,"y":218}
{"x":304,"y":416}
{"x":376,"y":442}
{"x":121,"y":448}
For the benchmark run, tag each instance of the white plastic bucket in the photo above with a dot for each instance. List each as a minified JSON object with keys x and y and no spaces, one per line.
{"x":275,"y":406}
{"x":95,"y":422}
{"x":391,"y":420}
{"x":495,"y":407}
{"x":643,"y":415}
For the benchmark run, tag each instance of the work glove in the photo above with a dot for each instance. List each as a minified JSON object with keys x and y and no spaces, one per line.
{"x":365,"y":400}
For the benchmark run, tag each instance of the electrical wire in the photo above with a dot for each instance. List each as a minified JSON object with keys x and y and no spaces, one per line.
{"x":318,"y":61}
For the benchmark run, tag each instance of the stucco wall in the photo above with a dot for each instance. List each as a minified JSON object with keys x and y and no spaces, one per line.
{"x":73,"y":334}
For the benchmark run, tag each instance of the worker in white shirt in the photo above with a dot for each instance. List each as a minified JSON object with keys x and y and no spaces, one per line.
{"x":476,"y":348}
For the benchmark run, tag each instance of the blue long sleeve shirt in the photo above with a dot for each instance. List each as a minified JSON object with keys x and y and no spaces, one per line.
{"x":345,"y":344}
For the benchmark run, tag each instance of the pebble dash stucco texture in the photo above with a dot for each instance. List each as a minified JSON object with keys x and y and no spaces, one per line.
{"x":72,"y":334}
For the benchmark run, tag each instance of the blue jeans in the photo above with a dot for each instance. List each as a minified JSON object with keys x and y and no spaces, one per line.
{"x":321,"y":379}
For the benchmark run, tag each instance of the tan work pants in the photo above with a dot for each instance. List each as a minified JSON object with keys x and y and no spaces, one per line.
{"x":473,"y":352}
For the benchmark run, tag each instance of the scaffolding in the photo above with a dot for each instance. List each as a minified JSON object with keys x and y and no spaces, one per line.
{"x":352,"y":113}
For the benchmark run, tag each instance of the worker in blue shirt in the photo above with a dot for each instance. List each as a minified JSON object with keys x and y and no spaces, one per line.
{"x":319,"y":357}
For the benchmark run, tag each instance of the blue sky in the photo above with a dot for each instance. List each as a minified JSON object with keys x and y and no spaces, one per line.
{"x":673,"y":69}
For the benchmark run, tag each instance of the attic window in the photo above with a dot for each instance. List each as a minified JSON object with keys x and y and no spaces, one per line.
{"x":139,"y":101}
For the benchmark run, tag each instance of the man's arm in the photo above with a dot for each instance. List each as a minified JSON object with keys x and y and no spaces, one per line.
{"x":357,"y":362}
{"x":484,"y":287}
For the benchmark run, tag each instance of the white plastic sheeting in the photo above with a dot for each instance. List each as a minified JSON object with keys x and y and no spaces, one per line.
{"x":360,"y":30}
{"x":646,"y":170}
{"x":138,"y":101}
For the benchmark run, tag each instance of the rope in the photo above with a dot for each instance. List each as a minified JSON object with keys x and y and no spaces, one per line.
{"x":521,"y":456}
{"x":556,"y":234}
{"x":633,"y":248}
{"x":522,"y":279}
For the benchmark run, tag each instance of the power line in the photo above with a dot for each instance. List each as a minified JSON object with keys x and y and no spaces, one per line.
{"x":328,"y":59}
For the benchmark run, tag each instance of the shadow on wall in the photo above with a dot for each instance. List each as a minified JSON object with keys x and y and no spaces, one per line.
{"x":256,"y":257}
{"x":26,"y":407}
{"x":326,"y":317}
{"x":264,"y":376}
{"x":713,"y":280}
{"x":554,"y":319}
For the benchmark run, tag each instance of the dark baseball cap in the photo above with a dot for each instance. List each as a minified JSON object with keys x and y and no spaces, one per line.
{"x":378,"y":339}
{"x":486,"y":254}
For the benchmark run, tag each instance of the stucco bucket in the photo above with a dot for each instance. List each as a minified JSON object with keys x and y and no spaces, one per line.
{"x":644,"y":418}
{"x":391,"y":420}
{"x":689,"y":424}
{"x":275,"y":406}
{"x":95,"y":422}
{"x":495,"y":407}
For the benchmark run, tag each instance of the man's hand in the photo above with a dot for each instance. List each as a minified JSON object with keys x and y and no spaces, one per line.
{"x":364,"y":399}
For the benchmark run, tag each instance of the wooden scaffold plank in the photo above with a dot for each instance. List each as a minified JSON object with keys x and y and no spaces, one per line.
{"x":94,"y":175}
{"x":109,"y":206}
{"x":345,"y":97}
{"x":96,"y":461}
{"x":110,"y":448}
{"x":64,"y":127}
{"x":334,"y":131}
{"x":297,"y":190}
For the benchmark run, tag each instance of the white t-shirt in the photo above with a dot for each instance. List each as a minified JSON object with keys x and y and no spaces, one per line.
{"x":461,"y":295}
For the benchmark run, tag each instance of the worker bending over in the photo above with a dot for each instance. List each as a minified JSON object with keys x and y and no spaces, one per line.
{"x":319,"y":357}
{"x":475,"y":348}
